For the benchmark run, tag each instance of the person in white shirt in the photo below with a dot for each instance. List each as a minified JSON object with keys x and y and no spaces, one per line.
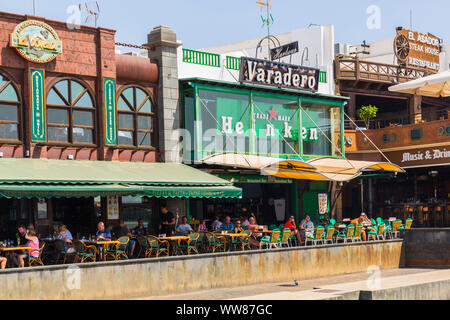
{"x":184,"y":227}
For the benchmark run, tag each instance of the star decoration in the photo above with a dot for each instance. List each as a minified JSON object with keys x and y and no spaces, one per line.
{"x":273,"y":113}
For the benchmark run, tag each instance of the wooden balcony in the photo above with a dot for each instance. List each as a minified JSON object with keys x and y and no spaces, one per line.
{"x":353,"y":69}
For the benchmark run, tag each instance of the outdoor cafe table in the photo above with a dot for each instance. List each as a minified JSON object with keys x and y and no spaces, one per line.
{"x":8,"y":249}
{"x":232,"y":236}
{"x":175,"y":240}
{"x":102,"y":245}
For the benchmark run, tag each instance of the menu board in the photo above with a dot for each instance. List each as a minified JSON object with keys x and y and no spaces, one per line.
{"x":323,"y":203}
{"x":113,"y":208}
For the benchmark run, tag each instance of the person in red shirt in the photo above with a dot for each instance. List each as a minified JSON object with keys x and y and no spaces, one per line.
{"x":290,"y":224}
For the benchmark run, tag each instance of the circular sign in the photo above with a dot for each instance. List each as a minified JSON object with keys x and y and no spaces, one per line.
{"x":36,"y":41}
{"x":401,"y":47}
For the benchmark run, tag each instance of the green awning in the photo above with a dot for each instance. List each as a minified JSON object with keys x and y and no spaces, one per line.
{"x":193,"y":192}
{"x":20,"y":191}
{"x":42,"y":178}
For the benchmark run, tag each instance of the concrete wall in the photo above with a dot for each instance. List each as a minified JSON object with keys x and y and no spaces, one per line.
{"x":427,"y":247}
{"x":152,"y":277}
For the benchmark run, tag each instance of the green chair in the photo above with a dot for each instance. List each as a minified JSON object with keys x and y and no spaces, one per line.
{"x":357,"y":234}
{"x":284,"y":239}
{"x":215,"y":242}
{"x":190,"y":245}
{"x":157,"y":247}
{"x":332,"y":222}
{"x":329,"y":234}
{"x":268,"y":242}
{"x":244,"y":240}
{"x":84,"y":252}
{"x":61,"y":252}
{"x":379,"y":221}
{"x":347,"y":235}
{"x":317,"y":237}
{"x":272,"y":227}
{"x":407,"y":225}
{"x":396,"y":226}
{"x":121,"y":248}
{"x":145,"y":250}
{"x":379,"y":233}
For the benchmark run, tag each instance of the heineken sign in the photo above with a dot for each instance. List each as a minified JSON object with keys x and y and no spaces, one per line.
{"x":37,"y":105}
{"x":36,"y":41}
{"x":277,"y":74}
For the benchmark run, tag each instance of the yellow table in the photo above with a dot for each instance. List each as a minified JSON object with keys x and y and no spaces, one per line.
{"x":102,"y":245}
{"x":7,"y":249}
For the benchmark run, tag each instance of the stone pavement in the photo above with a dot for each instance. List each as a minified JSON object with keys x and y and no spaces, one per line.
{"x":337,"y":287}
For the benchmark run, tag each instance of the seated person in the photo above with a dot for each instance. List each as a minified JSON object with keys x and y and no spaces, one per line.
{"x":256,"y":236}
{"x":227,"y":224}
{"x":66,"y":236}
{"x":245,"y":222}
{"x":33,"y":243}
{"x":3,"y":262}
{"x":216,"y":225}
{"x":184,"y":227}
{"x":140,"y":229}
{"x":238,"y":227}
{"x":122,"y":230}
{"x":290,"y":224}
{"x":306,"y":227}
{"x":103,"y":234}
{"x":324,"y":221}
{"x":202,"y":226}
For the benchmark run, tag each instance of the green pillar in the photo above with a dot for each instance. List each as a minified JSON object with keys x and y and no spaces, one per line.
{"x":188,"y":210}
{"x":295,"y":202}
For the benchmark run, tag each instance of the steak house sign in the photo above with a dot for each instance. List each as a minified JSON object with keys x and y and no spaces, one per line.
{"x":277,"y":74}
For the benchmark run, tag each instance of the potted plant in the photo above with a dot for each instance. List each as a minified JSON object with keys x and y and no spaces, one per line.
{"x":367,"y":113}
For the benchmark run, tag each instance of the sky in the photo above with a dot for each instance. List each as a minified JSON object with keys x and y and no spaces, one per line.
{"x":205,"y":23}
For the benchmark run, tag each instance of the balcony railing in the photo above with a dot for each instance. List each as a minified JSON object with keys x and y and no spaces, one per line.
{"x":357,"y":70}
{"x":401,"y":120}
{"x":201,"y":58}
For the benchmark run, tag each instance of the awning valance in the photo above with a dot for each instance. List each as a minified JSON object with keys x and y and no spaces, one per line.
{"x":42,"y":178}
{"x":320,"y":169}
{"x":436,"y":85}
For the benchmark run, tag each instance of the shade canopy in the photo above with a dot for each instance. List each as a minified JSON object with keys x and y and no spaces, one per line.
{"x":437,"y":85}
{"x":42,"y":178}
{"x":320,"y":169}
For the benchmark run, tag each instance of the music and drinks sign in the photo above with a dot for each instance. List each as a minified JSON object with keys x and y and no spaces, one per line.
{"x":276,"y":74}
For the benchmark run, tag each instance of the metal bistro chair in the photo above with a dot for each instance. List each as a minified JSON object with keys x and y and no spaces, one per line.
{"x":121,"y":248}
{"x":36,"y":260}
{"x":407,"y":225}
{"x":145,"y":250}
{"x":284,"y":239}
{"x":379,"y":233}
{"x":157,"y":247}
{"x":190,"y":244}
{"x":84,"y":252}
{"x":329,"y":234}
{"x":396,"y":225}
{"x":272,"y":240}
{"x":61,"y":252}
{"x":317,"y":237}
{"x":244,"y":240}
{"x":347,"y":235}
{"x":215,"y":242}
{"x":357,"y":234}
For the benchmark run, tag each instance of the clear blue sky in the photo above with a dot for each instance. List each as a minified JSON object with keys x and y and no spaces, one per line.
{"x":204,"y":23}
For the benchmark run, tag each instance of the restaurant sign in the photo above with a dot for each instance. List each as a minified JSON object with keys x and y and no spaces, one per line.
{"x":109,"y":90}
{"x":278,"y":74}
{"x":36,"y":41}
{"x":418,"y":50}
{"x":37,"y":105}
{"x":422,"y":157}
{"x":284,"y":51}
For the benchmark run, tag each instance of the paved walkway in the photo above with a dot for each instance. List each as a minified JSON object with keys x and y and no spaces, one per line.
{"x":327,"y":288}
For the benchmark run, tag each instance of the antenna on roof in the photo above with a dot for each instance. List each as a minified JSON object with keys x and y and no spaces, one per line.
{"x":34,"y":7}
{"x":411,"y":19}
{"x":93,"y":10}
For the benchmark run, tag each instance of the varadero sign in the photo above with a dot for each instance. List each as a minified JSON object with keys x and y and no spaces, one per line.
{"x":36,"y":41}
{"x":279,"y":74}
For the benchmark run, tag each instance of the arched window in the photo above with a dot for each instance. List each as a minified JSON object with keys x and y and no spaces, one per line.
{"x":70,"y":113}
{"x":9,"y":110}
{"x":135,"y":117}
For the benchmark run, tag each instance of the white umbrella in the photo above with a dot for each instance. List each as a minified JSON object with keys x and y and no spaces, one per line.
{"x":436,"y":85}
